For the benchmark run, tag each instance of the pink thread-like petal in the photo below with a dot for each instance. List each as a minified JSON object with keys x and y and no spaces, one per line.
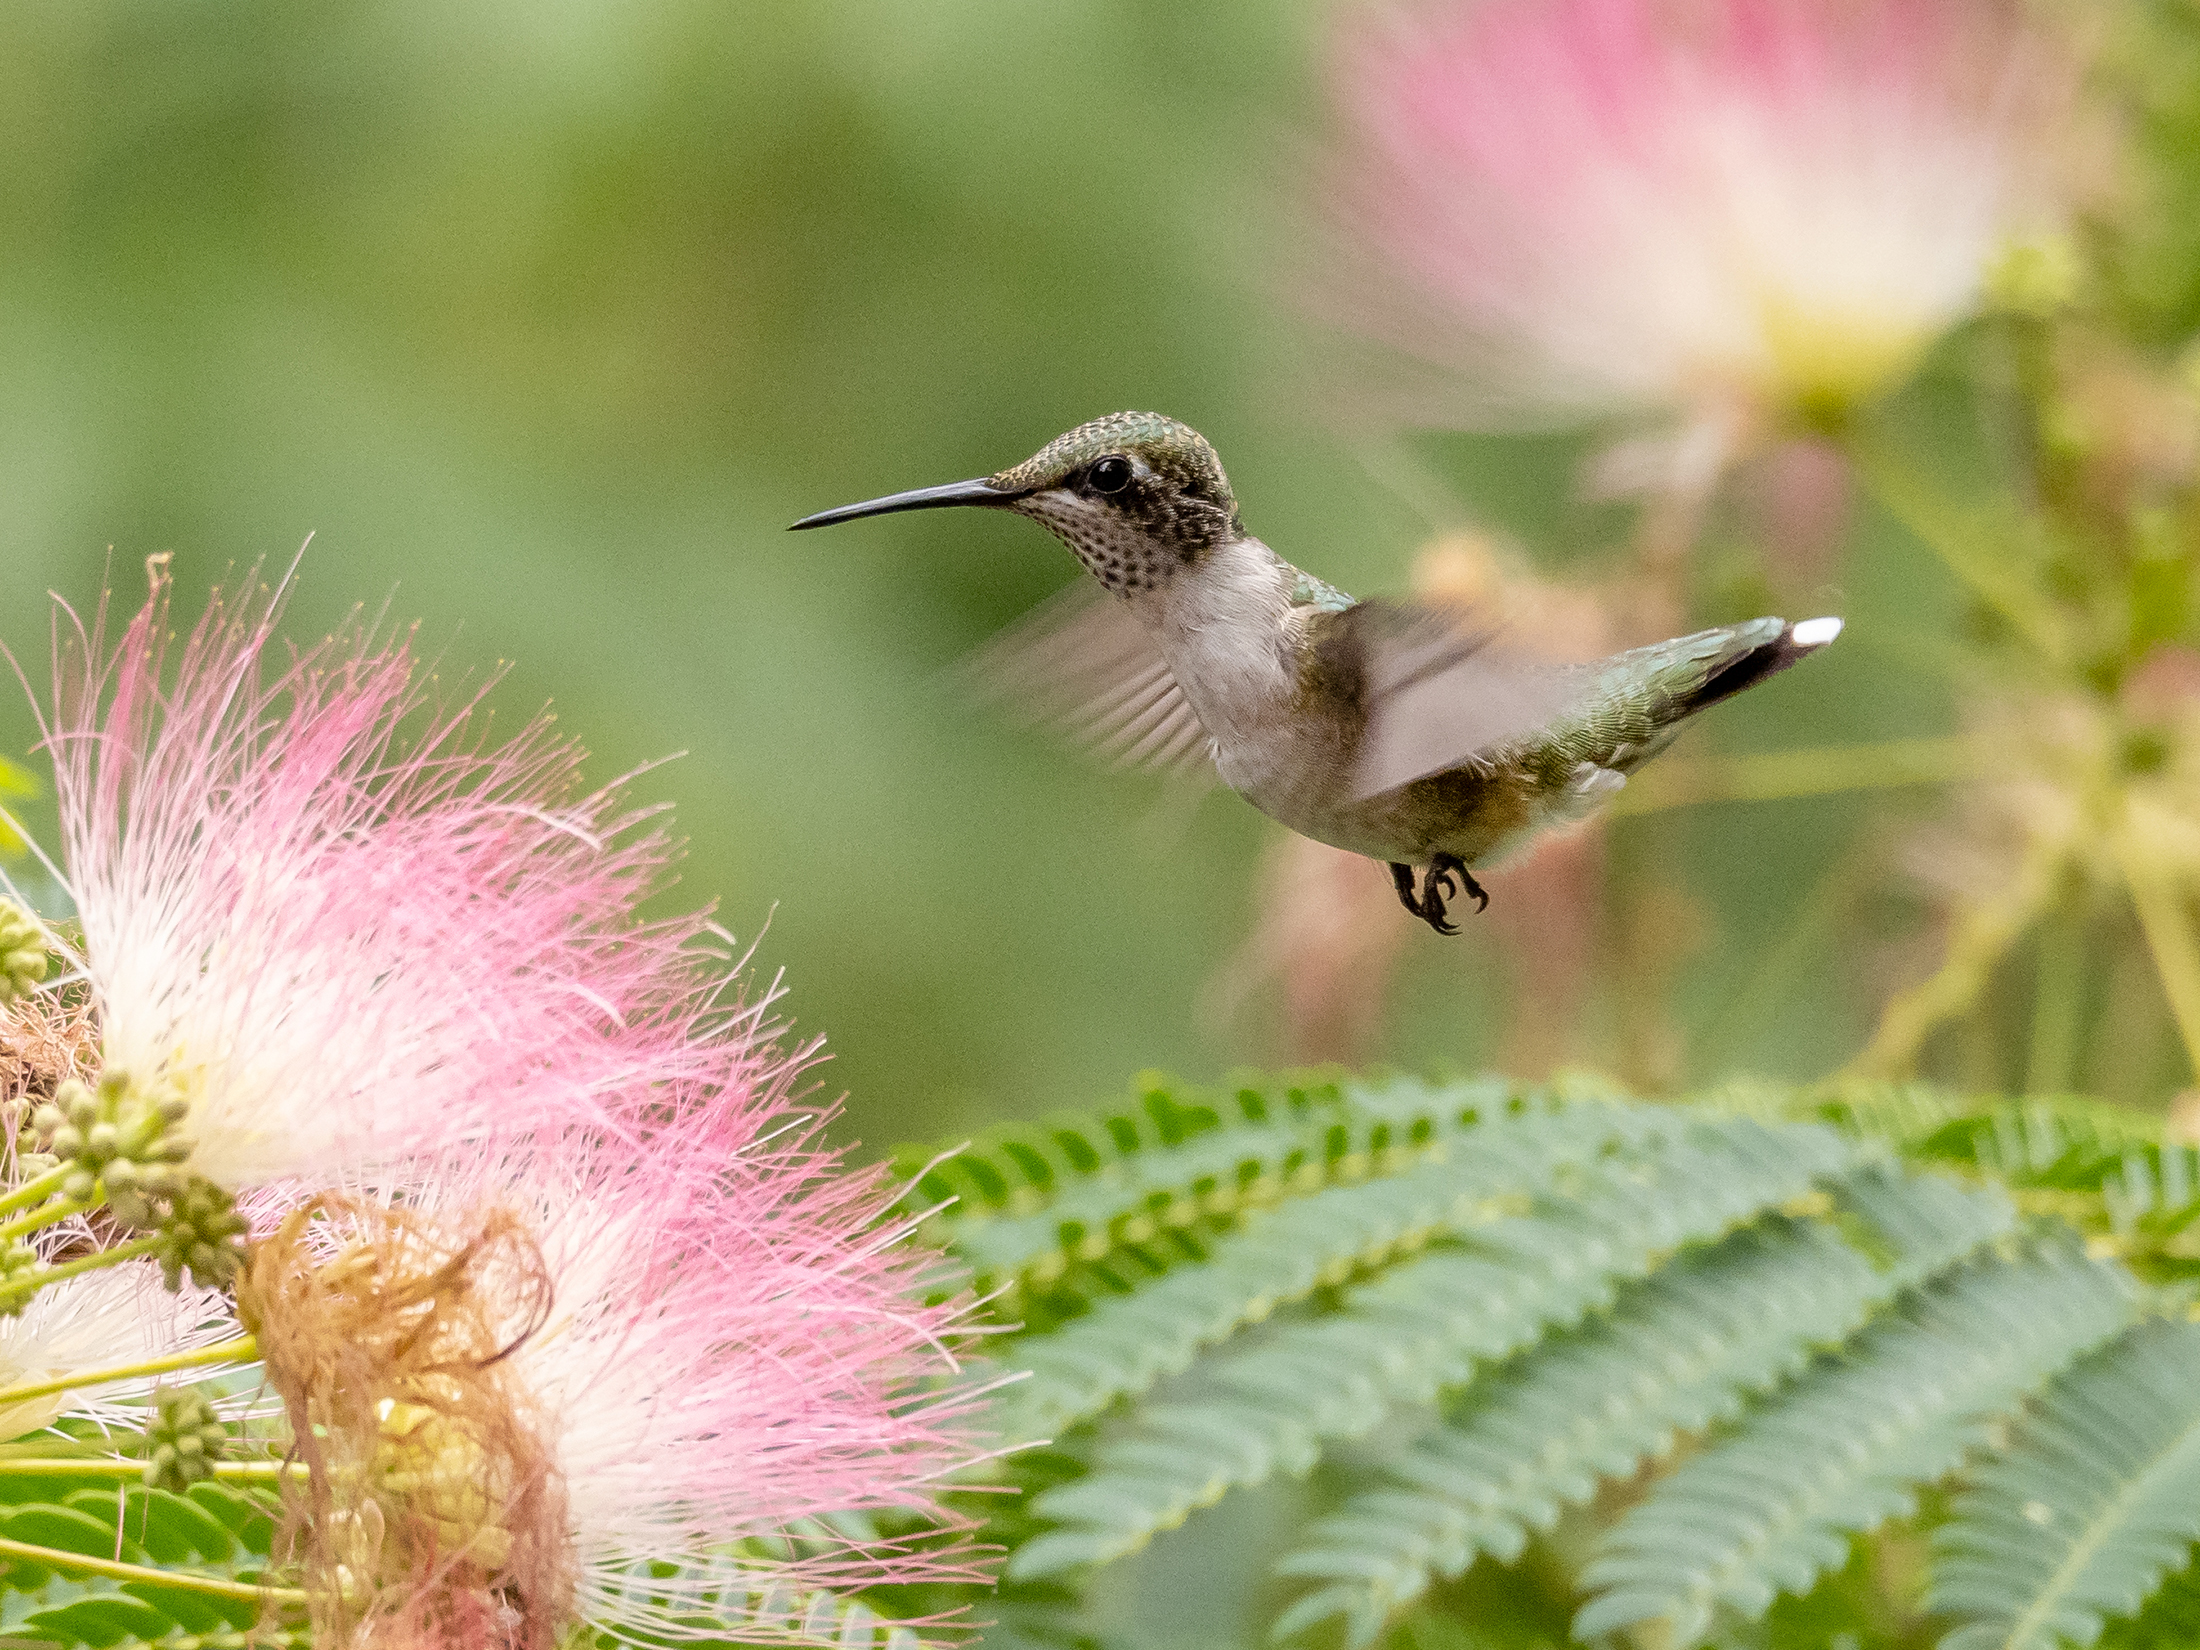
{"x":1589,"y":208}
{"x":737,"y":1342}
{"x":351,"y":924}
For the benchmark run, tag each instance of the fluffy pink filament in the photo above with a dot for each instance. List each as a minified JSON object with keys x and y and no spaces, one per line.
{"x":349,"y":925}
{"x":1598,"y":207}
{"x":737,"y":1344}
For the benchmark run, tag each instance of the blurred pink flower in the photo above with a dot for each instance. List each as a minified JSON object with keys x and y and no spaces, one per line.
{"x":1327,"y":931}
{"x":716,"y":1336}
{"x":1707,"y":211}
{"x":341,"y":924}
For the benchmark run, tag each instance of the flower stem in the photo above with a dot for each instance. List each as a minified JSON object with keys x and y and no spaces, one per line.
{"x":1779,"y":774}
{"x":24,"y":1288}
{"x":1981,"y":936}
{"x":115,"y":1466}
{"x":35,"y":1190}
{"x":58,"y":1210}
{"x":242,"y":1350}
{"x":53,"y":1558}
{"x":2058,"y":1001}
{"x":1985,"y":550}
{"x":2168,"y":928}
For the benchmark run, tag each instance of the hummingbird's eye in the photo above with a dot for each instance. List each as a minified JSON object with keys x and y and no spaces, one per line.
{"x":1111,"y":475}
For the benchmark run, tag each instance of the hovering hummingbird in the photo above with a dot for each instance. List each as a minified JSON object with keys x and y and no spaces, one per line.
{"x":1385,"y":728}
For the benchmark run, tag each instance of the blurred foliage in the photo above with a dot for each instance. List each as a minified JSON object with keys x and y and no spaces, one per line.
{"x":1775,"y":1366}
{"x":545,"y":320}
{"x":16,"y":788}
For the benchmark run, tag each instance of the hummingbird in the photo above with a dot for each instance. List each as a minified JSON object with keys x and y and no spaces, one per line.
{"x":1394,"y":730}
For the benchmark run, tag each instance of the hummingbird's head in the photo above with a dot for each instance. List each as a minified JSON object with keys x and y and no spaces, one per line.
{"x":1137,"y":497}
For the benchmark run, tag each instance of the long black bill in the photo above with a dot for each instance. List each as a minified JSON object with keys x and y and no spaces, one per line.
{"x":922,"y":498}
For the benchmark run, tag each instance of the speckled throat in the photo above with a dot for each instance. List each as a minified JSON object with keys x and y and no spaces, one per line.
{"x":1173,"y":506}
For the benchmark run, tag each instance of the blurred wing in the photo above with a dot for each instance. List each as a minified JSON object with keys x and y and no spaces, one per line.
{"x":1081,"y":667}
{"x":1442,"y":693}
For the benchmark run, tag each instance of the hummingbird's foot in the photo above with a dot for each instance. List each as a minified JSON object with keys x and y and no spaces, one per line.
{"x":1444,"y":865}
{"x":1401,"y":878}
{"x":1436,"y":888}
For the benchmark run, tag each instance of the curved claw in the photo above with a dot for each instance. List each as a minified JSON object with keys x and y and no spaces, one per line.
{"x":1441,"y":884}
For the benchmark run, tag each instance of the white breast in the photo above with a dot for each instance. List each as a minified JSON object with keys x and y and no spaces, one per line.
{"x":1221,"y":628}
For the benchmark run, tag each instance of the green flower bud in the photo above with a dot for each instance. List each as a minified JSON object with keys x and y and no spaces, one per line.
{"x":200,"y":1232}
{"x":78,"y":1102}
{"x":183,"y":1442}
{"x":121,"y":1140}
{"x":17,"y":1260}
{"x":23,"y":959}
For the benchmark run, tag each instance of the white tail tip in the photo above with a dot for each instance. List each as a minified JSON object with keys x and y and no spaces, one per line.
{"x":1815,"y":632}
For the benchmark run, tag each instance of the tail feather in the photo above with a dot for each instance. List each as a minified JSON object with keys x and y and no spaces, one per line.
{"x":1795,"y":643}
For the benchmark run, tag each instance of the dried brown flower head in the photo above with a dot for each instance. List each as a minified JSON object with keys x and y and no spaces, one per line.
{"x":433,"y":1515}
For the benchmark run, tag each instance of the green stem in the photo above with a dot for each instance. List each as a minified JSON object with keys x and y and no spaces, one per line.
{"x":36,"y":1190}
{"x":2058,"y":1003}
{"x":1985,"y":554}
{"x":1806,"y":935}
{"x":1779,"y":774}
{"x":38,"y":1219}
{"x":2168,"y":929}
{"x":25,"y":1287}
{"x":52,"y":1558}
{"x":1979,"y":938}
{"x":242,"y":1350}
{"x":107,"y":1467}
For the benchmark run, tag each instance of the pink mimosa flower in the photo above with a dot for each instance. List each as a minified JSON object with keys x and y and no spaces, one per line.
{"x":708,"y":1342}
{"x":723,"y":1362}
{"x":1713,"y":210}
{"x":340,"y":925}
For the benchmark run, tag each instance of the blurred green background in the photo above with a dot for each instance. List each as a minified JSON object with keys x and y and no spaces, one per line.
{"x":550,"y":316}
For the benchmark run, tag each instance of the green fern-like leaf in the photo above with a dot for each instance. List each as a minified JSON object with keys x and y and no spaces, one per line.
{"x":1087,"y":1207}
{"x":218,"y":1531}
{"x":685,"y":1604}
{"x":1048,"y":1218}
{"x":203,"y":1534}
{"x":1846,"y":1447}
{"x":1470,"y":1177}
{"x":1419,"y":1327}
{"x":1678,"y":1352}
{"x":1217,"y":1287}
{"x":1018,"y":1167}
{"x":2104,"y":1169}
{"x":2097,"y":1499}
